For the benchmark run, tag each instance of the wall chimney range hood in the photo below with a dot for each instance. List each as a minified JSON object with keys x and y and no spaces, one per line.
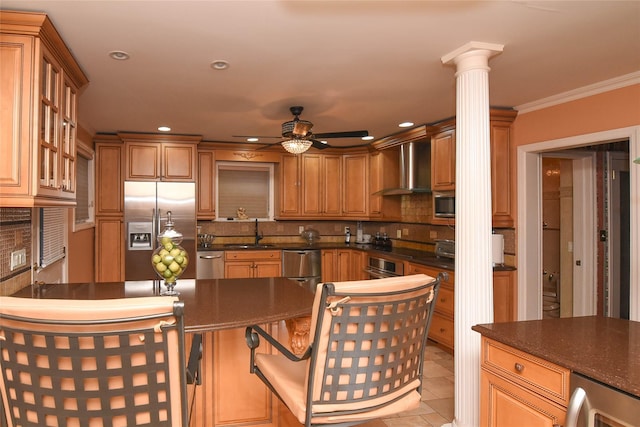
{"x":415,"y":170}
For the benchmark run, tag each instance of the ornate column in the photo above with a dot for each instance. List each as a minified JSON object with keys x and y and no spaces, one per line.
{"x":473,"y":266}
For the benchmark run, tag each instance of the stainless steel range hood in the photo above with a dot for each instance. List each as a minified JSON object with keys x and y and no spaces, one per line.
{"x":415,"y":170}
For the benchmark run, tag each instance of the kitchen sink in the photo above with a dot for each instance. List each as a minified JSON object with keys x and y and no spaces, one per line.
{"x":240,"y":246}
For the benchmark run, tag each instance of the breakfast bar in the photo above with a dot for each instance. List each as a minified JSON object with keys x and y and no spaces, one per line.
{"x":220,"y":309}
{"x":210,"y":305}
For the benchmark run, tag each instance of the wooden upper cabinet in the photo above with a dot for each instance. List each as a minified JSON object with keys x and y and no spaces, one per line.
{"x":206,"y":185}
{"x":151,"y":157}
{"x":109,"y":192}
{"x":321,"y":179}
{"x":384,"y":173}
{"x":443,"y":160}
{"x":290,"y":193}
{"x":38,"y":123}
{"x":355,"y":202}
{"x":501,"y":170}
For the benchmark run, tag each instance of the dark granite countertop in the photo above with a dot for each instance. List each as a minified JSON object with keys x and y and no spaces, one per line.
{"x":413,"y":255}
{"x":602,"y":348}
{"x":209,"y":304}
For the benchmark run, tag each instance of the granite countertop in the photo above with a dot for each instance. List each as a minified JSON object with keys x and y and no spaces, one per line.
{"x":209,"y":304}
{"x":413,"y":255}
{"x":602,"y":348}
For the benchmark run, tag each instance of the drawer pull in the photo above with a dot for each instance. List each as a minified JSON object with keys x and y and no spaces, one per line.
{"x":519,"y":367}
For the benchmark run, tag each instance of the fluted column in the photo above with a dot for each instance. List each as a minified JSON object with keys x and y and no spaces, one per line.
{"x":473,"y":266}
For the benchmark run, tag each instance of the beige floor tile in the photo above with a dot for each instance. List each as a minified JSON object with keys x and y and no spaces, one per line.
{"x":437,"y":393}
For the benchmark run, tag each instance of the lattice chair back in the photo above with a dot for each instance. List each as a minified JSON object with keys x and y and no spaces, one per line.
{"x":366,"y":352}
{"x":106,"y":363}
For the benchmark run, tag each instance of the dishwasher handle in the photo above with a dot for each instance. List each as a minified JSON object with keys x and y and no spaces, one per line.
{"x":210,"y":256}
{"x":578,"y":398}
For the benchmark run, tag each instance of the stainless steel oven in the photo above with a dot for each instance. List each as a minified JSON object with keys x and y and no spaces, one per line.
{"x":379,"y":268}
{"x":596,"y":405}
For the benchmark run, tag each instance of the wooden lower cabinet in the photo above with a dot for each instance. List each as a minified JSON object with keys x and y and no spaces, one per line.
{"x":442,"y":326}
{"x":520,"y":389}
{"x":229,"y":395}
{"x":245,"y":264}
{"x":505,"y":301}
{"x":339,"y":265}
{"x":109,"y":262}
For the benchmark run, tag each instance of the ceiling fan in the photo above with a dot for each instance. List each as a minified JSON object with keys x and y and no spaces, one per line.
{"x":298,"y":137}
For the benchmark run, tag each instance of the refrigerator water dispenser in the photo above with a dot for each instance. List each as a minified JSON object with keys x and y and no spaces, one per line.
{"x":140,"y":236}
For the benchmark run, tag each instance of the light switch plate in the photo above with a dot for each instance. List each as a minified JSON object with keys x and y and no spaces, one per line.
{"x":18,"y":259}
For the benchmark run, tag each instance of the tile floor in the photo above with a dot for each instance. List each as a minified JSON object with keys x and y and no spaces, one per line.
{"x":436,"y":408}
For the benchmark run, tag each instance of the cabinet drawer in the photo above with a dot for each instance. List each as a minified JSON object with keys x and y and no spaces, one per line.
{"x":431,"y":271}
{"x":444,"y":304}
{"x":251,"y":255}
{"x":537,"y":375}
{"x":441,"y":330}
{"x":504,"y":403}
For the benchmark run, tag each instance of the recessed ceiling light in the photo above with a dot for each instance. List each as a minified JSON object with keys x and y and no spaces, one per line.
{"x":405,"y":124}
{"x":119,"y":55}
{"x":164,"y":128}
{"x":252,"y":139}
{"x":220,"y":64}
{"x":367,"y":138}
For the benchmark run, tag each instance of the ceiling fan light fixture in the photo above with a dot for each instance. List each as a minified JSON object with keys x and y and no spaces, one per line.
{"x":296,"y":146}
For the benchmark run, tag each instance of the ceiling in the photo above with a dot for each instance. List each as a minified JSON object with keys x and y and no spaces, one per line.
{"x":352,"y":64}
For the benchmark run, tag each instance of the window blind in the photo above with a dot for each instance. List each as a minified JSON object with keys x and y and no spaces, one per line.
{"x":51,"y":235}
{"x":248,"y":189}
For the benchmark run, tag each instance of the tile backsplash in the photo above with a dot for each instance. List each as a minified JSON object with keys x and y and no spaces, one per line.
{"x":15,"y":233}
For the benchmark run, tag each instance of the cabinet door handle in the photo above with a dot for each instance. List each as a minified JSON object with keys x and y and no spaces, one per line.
{"x":519,"y":367}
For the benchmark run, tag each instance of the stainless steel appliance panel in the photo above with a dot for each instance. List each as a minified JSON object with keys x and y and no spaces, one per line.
{"x":147,"y":203}
{"x":380,"y":268}
{"x":210,"y":265}
{"x":597,"y":405}
{"x":301,"y":263}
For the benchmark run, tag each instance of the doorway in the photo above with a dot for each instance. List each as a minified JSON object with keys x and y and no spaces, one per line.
{"x":530,"y":230}
{"x":617,"y":237}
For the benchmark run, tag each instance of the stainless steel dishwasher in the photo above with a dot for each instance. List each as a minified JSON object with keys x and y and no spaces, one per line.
{"x":210,"y":265}
{"x":303,"y":265}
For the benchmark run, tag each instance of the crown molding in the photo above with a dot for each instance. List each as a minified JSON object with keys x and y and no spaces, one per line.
{"x":583,"y":92}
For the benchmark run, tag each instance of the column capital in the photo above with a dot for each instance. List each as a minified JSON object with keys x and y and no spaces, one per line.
{"x":473,"y":55}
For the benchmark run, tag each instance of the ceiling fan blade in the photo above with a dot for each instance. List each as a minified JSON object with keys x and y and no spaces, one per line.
{"x":254,"y":136}
{"x":318,"y":144}
{"x":349,"y":134}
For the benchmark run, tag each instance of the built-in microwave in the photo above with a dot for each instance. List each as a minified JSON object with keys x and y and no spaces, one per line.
{"x":444,"y":204}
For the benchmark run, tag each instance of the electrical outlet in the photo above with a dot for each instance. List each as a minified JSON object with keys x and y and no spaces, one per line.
{"x":18,"y":259}
{"x":405,"y":232}
{"x":301,"y":229}
{"x":399,"y":234}
{"x":433,"y":234}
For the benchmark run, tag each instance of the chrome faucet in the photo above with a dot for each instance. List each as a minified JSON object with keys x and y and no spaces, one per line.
{"x":258,"y":234}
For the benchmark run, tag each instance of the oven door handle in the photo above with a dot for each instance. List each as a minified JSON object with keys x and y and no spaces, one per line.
{"x":377,"y":274}
{"x":578,"y":398}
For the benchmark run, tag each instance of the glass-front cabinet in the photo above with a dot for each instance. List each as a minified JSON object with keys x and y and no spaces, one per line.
{"x":42,"y":80}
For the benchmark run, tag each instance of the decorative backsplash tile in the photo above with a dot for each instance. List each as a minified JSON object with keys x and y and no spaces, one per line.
{"x":15,"y":233}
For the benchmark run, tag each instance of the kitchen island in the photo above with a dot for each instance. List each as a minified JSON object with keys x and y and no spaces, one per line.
{"x":210,"y":305}
{"x":526,"y":366}
{"x":220,"y":310}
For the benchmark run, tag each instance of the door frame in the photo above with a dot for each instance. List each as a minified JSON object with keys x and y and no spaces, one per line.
{"x":529,"y":231}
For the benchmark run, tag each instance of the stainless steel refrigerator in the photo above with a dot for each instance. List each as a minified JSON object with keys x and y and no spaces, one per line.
{"x":145,"y":212}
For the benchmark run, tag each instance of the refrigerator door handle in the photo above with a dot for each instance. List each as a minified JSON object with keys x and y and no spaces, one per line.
{"x":155,"y":225}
